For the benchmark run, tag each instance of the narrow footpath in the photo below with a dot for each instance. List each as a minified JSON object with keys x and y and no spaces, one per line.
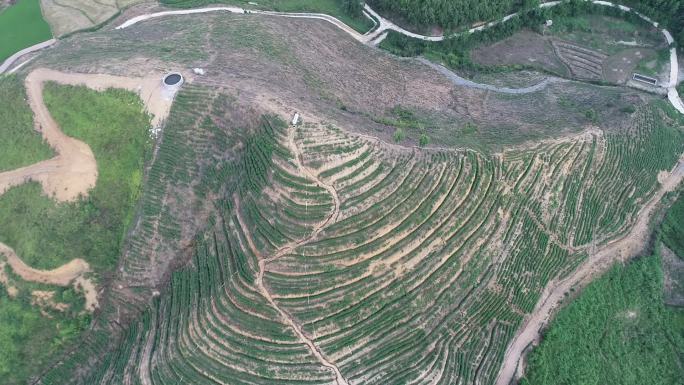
{"x":289,"y":247}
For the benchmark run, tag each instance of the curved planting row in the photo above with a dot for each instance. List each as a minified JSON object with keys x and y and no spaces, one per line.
{"x":332,"y":258}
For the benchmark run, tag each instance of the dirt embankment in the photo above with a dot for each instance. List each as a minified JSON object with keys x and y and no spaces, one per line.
{"x":625,"y":247}
{"x":65,"y":275}
{"x":73,"y":172}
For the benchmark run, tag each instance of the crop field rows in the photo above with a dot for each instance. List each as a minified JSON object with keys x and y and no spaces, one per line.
{"x":583,"y":62}
{"x":395,"y":265}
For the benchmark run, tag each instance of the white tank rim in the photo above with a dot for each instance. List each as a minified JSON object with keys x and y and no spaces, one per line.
{"x":176,"y":85}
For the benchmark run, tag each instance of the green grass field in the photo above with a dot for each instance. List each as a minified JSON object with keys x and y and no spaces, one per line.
{"x":619,"y":331}
{"x":21,"y":145}
{"x":47,"y":234}
{"x":330,"y":7}
{"x":22,"y":25}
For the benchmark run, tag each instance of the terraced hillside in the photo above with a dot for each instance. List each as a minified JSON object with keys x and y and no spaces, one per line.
{"x":583,"y":63}
{"x":332,"y":257}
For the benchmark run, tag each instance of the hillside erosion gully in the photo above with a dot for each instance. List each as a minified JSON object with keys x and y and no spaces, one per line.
{"x":378,"y":34}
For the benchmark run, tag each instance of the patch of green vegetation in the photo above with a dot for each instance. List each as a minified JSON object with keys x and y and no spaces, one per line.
{"x":407,"y":123}
{"x":347,"y":11}
{"x":617,"y":332}
{"x":424,"y":140}
{"x":604,"y":33}
{"x":47,"y":234}
{"x":628,"y":109}
{"x":570,"y":24}
{"x":469,"y":129}
{"x":591,"y":115}
{"x":401,"y":117}
{"x":672,"y":228}
{"x":21,"y":26}
{"x":399,"y":134}
{"x":29,"y":339}
{"x":21,"y":145}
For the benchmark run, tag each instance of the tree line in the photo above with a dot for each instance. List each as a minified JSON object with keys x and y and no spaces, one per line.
{"x":668,"y":12}
{"x":452,"y":14}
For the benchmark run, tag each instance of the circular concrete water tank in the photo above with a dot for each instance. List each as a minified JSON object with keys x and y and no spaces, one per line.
{"x":173,"y":81}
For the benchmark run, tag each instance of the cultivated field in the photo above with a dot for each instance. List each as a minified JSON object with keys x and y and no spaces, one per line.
{"x":588,"y":47}
{"x":335,"y":256}
{"x":326,"y":252}
{"x":73,"y":15}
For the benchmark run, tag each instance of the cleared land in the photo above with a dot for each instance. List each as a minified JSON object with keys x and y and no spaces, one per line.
{"x":21,"y":26}
{"x":334,"y":8}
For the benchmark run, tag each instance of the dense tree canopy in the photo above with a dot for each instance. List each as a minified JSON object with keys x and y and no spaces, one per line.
{"x":451,"y":14}
{"x":668,"y":12}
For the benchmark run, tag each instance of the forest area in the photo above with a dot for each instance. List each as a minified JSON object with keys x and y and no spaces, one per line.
{"x":449,"y":14}
{"x":454,"y":14}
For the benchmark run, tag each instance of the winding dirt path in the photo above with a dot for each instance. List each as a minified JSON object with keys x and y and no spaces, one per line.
{"x":73,"y":172}
{"x":288,"y":248}
{"x":65,"y":275}
{"x":620,"y":249}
